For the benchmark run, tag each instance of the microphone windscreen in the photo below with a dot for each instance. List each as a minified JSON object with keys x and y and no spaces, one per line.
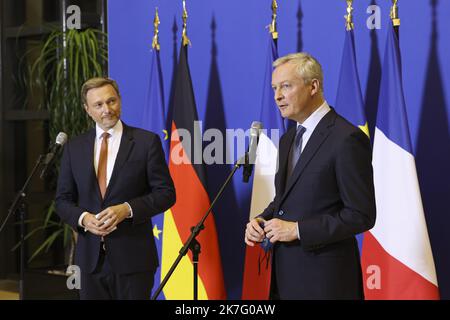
{"x":61,"y":138}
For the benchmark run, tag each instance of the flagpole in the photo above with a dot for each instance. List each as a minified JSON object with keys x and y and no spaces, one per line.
{"x":394,"y":17}
{"x":273,"y":24}
{"x":186,"y":40}
{"x":156,"y":22}
{"x":349,"y":17}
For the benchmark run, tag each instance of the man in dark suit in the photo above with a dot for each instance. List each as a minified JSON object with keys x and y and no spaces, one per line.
{"x":324,"y":192}
{"x":112,"y":180}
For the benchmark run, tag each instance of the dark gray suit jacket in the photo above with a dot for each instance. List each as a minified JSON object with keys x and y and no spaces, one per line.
{"x":140,"y":177}
{"x":331,"y":195}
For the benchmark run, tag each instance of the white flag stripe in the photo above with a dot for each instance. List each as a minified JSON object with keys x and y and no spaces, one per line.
{"x":400,"y":226}
{"x":265,"y":168}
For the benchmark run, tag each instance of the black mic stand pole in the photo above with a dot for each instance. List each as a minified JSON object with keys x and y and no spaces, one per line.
{"x":192,"y":243}
{"x":19,"y":203}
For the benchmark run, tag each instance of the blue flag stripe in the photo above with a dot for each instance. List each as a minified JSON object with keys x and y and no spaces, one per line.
{"x":270,"y":115}
{"x":392,"y":116}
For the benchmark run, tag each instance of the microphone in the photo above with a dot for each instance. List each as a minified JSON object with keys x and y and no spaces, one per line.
{"x":61,"y":139}
{"x":250,"y":155}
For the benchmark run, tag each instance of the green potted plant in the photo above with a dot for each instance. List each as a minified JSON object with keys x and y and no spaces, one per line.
{"x":63,"y":63}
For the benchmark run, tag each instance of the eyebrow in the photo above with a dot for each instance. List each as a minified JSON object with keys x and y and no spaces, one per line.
{"x":282,"y":82}
{"x":96,"y":102}
{"x":107,"y":99}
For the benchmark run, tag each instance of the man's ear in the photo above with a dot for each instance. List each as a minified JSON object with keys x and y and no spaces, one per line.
{"x":315,"y":87}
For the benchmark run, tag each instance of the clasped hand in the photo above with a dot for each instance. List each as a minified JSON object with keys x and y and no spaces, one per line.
{"x":274,"y":229}
{"x":106,"y":221}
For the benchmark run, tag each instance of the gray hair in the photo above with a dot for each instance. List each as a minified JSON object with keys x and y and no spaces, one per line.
{"x":308,"y":68}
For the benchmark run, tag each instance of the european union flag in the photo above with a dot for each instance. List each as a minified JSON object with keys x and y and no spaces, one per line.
{"x":349,"y":102}
{"x":155,"y":120}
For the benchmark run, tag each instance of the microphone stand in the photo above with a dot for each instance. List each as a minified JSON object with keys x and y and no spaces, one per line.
{"x":192,"y":243}
{"x":19,"y":204}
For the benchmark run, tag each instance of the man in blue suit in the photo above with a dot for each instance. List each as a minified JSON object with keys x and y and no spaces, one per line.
{"x":324,"y":192}
{"x":112,"y":180}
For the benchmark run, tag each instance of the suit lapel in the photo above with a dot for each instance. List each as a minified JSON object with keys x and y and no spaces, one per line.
{"x":88,"y":162}
{"x":319,"y":135}
{"x":126,"y":145}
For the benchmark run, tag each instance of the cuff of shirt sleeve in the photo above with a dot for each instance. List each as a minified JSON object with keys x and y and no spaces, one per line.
{"x":298,"y":232}
{"x":80,"y":220}
{"x":131,"y":211}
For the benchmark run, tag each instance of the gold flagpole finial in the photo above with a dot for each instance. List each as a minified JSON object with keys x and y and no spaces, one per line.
{"x":349,"y":17}
{"x":156,"y":22}
{"x":273,"y":25}
{"x":394,"y":14}
{"x":186,"y":40}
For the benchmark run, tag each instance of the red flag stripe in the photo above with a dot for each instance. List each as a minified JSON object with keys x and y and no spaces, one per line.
{"x":397,"y":280}
{"x":256,"y":283}
{"x":192,"y":203}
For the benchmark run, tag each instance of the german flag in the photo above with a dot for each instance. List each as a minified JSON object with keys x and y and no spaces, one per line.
{"x":188,"y":174}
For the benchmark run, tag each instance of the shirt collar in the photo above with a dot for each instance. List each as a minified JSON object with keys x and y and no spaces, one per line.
{"x":117,"y":129}
{"x":311,"y":122}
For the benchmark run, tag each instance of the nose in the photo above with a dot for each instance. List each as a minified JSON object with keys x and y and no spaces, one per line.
{"x":277,"y":95}
{"x":106,"y":108}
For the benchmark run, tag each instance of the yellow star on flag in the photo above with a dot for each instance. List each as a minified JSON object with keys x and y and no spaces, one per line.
{"x":156,"y":231}
{"x":365,"y":129}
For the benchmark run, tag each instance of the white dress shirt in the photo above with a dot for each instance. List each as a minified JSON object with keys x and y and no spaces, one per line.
{"x":113,"y":149}
{"x":312,"y":121}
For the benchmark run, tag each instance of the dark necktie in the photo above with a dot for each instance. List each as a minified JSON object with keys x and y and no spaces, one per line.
{"x":102,"y":163}
{"x":296,"y":150}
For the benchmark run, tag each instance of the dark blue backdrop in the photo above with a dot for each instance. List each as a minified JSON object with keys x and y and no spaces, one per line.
{"x":229,"y":41}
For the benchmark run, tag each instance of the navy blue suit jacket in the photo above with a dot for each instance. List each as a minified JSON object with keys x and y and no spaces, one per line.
{"x":140,"y":177}
{"x":331,"y":195}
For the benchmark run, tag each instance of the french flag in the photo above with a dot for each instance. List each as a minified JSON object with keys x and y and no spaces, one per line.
{"x":258,"y":264}
{"x":397,"y":259}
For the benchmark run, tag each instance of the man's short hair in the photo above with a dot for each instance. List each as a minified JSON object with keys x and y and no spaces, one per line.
{"x":94,"y":83}
{"x":308,"y":68}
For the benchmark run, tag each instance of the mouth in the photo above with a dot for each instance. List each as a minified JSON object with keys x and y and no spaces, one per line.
{"x":282,"y":107}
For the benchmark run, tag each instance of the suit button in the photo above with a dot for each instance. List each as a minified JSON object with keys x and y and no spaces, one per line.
{"x":280,"y":213}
